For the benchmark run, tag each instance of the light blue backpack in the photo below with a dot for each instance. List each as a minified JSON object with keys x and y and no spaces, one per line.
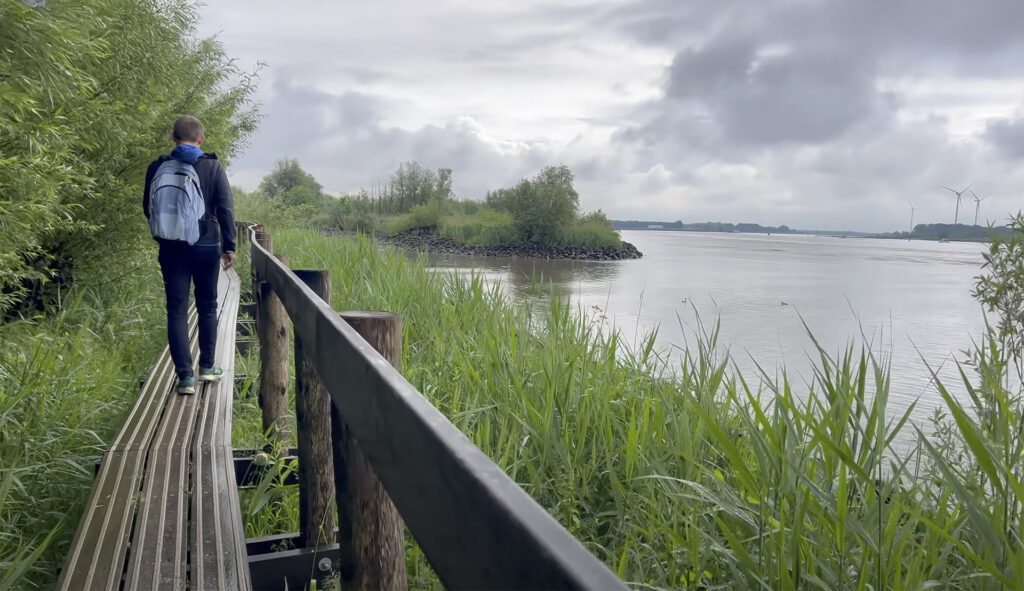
{"x":176,"y":203}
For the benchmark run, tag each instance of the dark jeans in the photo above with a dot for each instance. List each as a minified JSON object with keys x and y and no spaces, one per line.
{"x":182,"y":265}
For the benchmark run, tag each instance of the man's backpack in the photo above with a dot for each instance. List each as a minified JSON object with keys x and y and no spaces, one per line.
{"x":176,"y":203}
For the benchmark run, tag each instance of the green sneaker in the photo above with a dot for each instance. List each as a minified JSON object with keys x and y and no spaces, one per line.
{"x":210,"y":374}
{"x":187,"y":385}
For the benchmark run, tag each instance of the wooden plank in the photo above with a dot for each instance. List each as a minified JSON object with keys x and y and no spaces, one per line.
{"x":98,"y":552}
{"x":97,"y":555}
{"x":313,"y":430}
{"x":218,"y":558}
{"x":274,"y":543}
{"x":477,"y":527}
{"x":249,"y":474}
{"x":292,"y":569}
{"x":159,"y":544}
{"x":274,"y":361}
{"x":372,"y":533}
{"x":141,"y":423}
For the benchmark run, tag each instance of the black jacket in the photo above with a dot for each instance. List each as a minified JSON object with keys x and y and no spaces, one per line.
{"x":218,"y":227}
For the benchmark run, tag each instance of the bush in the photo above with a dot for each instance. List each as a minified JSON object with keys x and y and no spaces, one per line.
{"x":66,"y":382}
{"x":85,"y":105}
{"x":543,"y":208}
{"x":486,"y":228}
{"x":359,"y":222}
{"x":593,"y":230}
{"x":257,"y":207}
{"x":420,"y":217}
{"x":465,"y":207}
{"x":291,"y":186}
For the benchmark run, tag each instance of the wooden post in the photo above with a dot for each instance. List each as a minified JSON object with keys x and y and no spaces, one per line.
{"x":370,"y":530}
{"x":313,"y":426}
{"x":241,"y":233}
{"x":273,"y":333}
{"x":263,"y":239}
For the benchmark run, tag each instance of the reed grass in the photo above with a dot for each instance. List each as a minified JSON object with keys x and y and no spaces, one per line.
{"x":700,"y":477}
{"x":66,"y":382}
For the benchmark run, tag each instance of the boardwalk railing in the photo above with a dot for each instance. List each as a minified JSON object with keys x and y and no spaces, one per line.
{"x":359,"y":420}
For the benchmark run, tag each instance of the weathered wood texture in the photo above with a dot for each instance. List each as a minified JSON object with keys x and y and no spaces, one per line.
{"x":273,"y":336}
{"x":136,"y":531}
{"x":218,"y":558}
{"x":371,"y":533}
{"x":99,"y":549}
{"x":291,"y":569}
{"x":478,"y":529}
{"x":313,"y":427}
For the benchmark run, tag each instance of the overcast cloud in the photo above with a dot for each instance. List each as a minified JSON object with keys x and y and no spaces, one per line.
{"x":812,"y":113}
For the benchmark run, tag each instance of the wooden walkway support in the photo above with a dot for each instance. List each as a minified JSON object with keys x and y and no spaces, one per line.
{"x":164,"y":512}
{"x":478,"y":529}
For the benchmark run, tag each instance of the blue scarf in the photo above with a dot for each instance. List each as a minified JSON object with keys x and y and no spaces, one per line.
{"x":186,"y":153}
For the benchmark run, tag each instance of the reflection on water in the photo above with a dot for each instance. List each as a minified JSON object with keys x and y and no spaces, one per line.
{"x":521,"y":278}
{"x":909,"y":300}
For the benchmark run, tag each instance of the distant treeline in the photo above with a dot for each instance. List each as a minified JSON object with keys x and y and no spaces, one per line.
{"x":952,"y":232}
{"x":701,"y":227}
{"x":543,"y":210}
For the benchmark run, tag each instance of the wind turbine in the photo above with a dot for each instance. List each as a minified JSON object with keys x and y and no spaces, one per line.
{"x":977,"y":205}
{"x":956,"y":218}
{"x":912,"y":208}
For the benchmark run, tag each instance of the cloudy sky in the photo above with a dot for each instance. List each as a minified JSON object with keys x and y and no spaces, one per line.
{"x":812,"y":113}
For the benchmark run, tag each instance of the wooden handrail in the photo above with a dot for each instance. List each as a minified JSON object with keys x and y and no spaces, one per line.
{"x":477,"y":527}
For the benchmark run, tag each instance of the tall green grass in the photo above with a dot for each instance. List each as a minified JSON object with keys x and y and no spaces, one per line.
{"x":706,"y":479}
{"x":485,"y":227}
{"x":66,"y":383}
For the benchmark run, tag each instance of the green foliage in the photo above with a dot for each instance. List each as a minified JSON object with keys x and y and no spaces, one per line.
{"x":420,"y":218}
{"x":706,"y":478}
{"x":413,"y":184}
{"x":289,"y":197}
{"x":462,"y":207}
{"x":593,"y":230}
{"x":1001,"y":288}
{"x":66,"y":383}
{"x":291,"y":186}
{"x":543,"y":208}
{"x":953,"y":232}
{"x":354,"y":213}
{"x":487,"y":227}
{"x":256,"y":206}
{"x":88,"y":92}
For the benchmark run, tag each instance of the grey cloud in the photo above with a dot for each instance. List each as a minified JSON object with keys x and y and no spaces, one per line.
{"x":921,"y":29}
{"x":804,"y":94}
{"x":791,"y":93}
{"x":342,"y":141}
{"x":1007,"y":135}
{"x":796,"y":71}
{"x":779,"y":111}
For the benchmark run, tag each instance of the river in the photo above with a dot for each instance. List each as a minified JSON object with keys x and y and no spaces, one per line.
{"x":910,"y":300}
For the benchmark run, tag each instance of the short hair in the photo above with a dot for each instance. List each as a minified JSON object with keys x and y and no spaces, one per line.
{"x":187,"y":129}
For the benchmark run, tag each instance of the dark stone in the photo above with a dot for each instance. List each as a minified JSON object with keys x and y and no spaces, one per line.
{"x":441,"y":245}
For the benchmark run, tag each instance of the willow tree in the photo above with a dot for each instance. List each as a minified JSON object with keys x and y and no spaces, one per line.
{"x":88,"y":90}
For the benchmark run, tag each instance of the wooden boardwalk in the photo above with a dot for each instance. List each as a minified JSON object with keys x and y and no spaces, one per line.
{"x":164,"y":512}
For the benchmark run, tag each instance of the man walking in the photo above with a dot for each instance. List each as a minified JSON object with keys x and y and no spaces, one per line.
{"x":184,"y":188}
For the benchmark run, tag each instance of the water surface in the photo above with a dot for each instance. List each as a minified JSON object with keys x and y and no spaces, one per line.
{"x":909,"y":299}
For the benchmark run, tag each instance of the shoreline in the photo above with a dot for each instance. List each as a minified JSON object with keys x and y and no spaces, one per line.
{"x":441,"y":245}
